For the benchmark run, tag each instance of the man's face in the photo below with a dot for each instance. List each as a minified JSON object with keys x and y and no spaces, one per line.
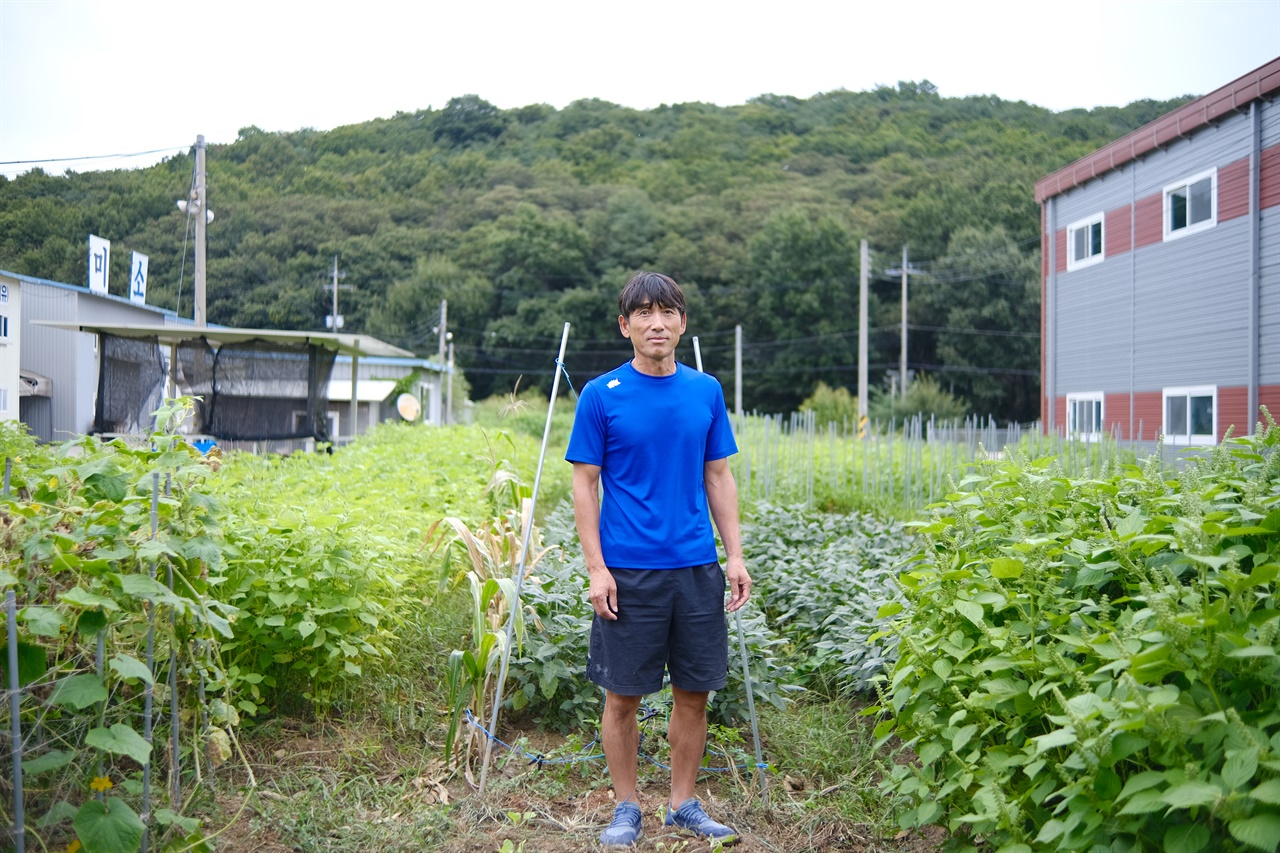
{"x":653,"y":330}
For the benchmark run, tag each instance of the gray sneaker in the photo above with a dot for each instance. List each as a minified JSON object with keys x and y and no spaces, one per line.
{"x":624,"y":830}
{"x":690,"y":816}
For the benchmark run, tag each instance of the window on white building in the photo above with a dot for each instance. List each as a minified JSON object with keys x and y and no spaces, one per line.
{"x":1191,"y":205}
{"x":300,"y":421}
{"x":1085,"y":242}
{"x":1084,"y":415}
{"x":1191,"y":415}
{"x":4,"y":399}
{"x":4,"y":326}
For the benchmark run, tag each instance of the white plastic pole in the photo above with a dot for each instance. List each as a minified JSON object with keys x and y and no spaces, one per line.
{"x":524,"y":553}
{"x":742,"y":647}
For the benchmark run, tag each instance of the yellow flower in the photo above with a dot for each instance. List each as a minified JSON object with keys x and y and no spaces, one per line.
{"x":101,"y":783}
{"x":74,"y":846}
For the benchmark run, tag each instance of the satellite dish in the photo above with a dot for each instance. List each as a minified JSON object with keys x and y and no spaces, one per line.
{"x":408,"y":407}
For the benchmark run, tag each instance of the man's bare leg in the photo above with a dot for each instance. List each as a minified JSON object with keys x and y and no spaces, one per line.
{"x":687,"y":734}
{"x":620,"y":733}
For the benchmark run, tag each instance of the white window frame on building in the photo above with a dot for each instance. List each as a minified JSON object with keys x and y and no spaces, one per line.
{"x":1086,"y":242}
{"x":1186,"y":421}
{"x":1185,"y":189}
{"x":1076,"y":404}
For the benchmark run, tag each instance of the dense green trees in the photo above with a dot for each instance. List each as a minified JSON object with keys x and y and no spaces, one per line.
{"x":528,"y":218}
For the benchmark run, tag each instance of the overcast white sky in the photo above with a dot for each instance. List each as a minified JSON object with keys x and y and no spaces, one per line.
{"x":81,"y":78}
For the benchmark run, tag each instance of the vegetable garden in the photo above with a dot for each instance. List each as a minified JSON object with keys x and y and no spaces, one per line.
{"x":1067,"y":652}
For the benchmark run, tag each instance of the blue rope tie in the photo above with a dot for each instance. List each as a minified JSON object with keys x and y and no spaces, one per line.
{"x":539,"y":759}
{"x":566,"y":378}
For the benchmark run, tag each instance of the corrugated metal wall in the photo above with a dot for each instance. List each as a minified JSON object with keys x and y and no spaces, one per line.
{"x":1269,"y":299}
{"x":1270,"y":122}
{"x":1108,"y":192}
{"x":57,"y":354}
{"x":1192,"y":305}
{"x":1269,"y":258}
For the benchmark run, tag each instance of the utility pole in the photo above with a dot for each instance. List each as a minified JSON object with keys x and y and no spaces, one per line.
{"x":737,"y":370}
{"x":448,"y":397}
{"x":334,"y":321}
{"x":902,"y":356}
{"x":442,"y":412}
{"x":444,"y":319}
{"x":864,"y":275}
{"x":201,"y":226}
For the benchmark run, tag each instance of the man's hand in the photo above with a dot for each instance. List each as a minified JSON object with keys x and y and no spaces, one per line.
{"x":739,"y":583}
{"x":604,"y":594}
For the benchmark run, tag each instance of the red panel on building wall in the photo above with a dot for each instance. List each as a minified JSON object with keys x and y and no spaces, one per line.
{"x":1233,"y":410}
{"x":1115,"y":415}
{"x":1147,"y":224}
{"x":1059,"y":416}
{"x":1060,"y":250}
{"x":1269,"y":179}
{"x":1148,"y":419}
{"x":1117,"y":225}
{"x":1269,"y":396}
{"x":1233,"y":190}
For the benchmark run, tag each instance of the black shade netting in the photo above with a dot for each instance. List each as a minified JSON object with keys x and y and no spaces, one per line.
{"x":259,"y":390}
{"x":131,"y":380}
{"x":195,"y":377}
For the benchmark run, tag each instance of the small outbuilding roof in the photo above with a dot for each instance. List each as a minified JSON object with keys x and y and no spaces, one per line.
{"x":349,"y":344}
{"x":367,"y":390}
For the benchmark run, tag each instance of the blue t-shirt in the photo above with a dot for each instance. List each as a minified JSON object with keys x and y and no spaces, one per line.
{"x":651,"y":437}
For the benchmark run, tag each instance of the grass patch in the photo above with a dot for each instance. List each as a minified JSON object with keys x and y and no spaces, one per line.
{"x":368,"y":785}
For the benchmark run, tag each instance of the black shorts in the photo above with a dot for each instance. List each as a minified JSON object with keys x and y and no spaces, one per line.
{"x":671,"y":619}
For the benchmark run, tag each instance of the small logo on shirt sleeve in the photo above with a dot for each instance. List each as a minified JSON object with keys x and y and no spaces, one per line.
{"x":614,"y":383}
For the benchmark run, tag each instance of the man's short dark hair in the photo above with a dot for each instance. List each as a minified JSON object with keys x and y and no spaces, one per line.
{"x":649,"y":289}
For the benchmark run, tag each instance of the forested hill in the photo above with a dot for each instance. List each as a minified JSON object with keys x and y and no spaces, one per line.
{"x":524,"y":219}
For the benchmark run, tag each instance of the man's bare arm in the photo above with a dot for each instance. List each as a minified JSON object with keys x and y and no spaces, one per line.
{"x":586,"y":516}
{"x":722,"y":496}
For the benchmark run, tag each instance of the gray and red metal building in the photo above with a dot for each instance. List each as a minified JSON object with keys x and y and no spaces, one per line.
{"x":1160,"y":309}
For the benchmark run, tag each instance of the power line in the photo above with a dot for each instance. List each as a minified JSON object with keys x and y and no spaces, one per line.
{"x":90,"y":157}
{"x":992,"y":332}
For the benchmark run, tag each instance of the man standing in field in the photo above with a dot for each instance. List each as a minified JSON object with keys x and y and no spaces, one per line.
{"x":657,"y":433}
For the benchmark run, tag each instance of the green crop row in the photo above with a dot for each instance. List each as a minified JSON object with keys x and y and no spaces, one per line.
{"x":110,"y":553}
{"x":1091,"y":664}
{"x":293,"y":582}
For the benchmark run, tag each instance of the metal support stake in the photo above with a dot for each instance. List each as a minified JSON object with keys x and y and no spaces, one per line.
{"x":15,"y":724}
{"x":149,"y":693}
{"x":524,"y":554}
{"x":98,"y":658}
{"x":175,"y":781}
{"x":746,"y":669}
{"x":204,"y":711}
